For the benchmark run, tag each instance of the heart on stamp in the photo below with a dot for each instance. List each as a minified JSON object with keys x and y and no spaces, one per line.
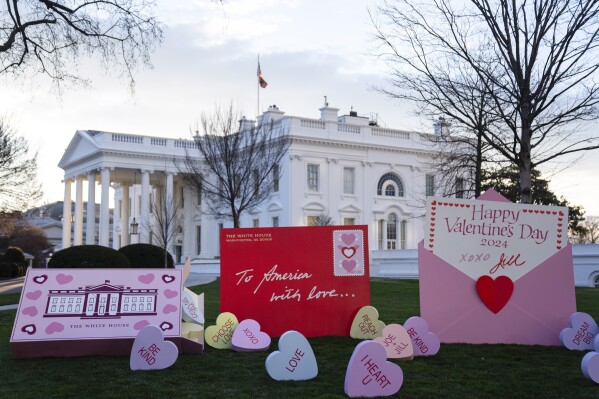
{"x":348,"y":238}
{"x":424,"y":342}
{"x":247,"y":337}
{"x":581,"y":333}
{"x":495,"y":293}
{"x":146,"y":278}
{"x":348,"y":252}
{"x":40,"y":279}
{"x":30,"y":311}
{"x":348,"y":265}
{"x":590,"y":366}
{"x":151,"y":352}
{"x":397,"y":342}
{"x":219,"y":336}
{"x":34,"y":295}
{"x":294,"y":360}
{"x":63,"y":278}
{"x":366,"y":324}
{"x":360,"y":378}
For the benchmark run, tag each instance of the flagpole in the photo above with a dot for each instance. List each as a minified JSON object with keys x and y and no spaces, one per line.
{"x":258,"y":90}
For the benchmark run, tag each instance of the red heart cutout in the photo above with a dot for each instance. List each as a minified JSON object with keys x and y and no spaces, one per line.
{"x":495,"y":293}
{"x":524,"y":210}
{"x":434,"y":203}
{"x":432,"y":224}
{"x":467,"y":206}
{"x":561,"y":213}
{"x":461,"y":205}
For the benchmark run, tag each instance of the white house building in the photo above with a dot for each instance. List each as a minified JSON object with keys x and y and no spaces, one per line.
{"x":345,"y":167}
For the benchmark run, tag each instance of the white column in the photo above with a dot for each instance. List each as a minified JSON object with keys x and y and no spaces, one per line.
{"x":104,"y":237}
{"x":90,"y":225}
{"x":78,"y":235}
{"x":66,"y":215}
{"x":116,"y":215}
{"x":169,"y":206}
{"x":144,"y":223}
{"x":124,"y":215}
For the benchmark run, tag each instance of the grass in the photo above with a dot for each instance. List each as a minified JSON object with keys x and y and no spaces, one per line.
{"x":458,"y":371}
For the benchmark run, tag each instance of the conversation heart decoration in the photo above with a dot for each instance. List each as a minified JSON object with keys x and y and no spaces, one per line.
{"x":248,"y":337}
{"x":294,"y":360}
{"x":495,"y":293}
{"x":424,"y":342}
{"x":191,"y":308}
{"x":581,"y":333}
{"x":397,"y":342}
{"x":151,"y":352}
{"x":590,"y":366}
{"x":366,"y":324}
{"x":369,"y":374}
{"x":219,"y":336}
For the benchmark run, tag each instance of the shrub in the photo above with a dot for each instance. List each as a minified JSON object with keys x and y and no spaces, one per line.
{"x":15,"y":255}
{"x":146,"y":256}
{"x":11,"y":270}
{"x":88,"y":256}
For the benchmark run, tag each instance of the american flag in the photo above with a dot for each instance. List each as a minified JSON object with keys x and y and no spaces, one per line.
{"x":261,"y":80}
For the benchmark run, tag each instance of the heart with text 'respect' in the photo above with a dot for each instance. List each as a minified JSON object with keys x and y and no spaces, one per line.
{"x":220,"y":335}
{"x":366,"y":324}
{"x":151,"y":352}
{"x":581,"y":333}
{"x":294,"y":360}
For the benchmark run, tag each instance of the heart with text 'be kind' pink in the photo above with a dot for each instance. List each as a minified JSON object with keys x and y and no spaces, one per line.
{"x":366,"y":324}
{"x":581,"y":333}
{"x":397,"y":342}
{"x":369,"y":374}
{"x":248,"y":337}
{"x":294,"y":361}
{"x":425,"y":343}
{"x":151,"y":352}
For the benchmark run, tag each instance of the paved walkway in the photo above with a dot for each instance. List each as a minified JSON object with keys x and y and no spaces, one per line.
{"x":15,"y":285}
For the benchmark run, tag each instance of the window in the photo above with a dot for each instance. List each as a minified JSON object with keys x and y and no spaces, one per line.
{"x":182,"y":197}
{"x":275,"y":178}
{"x":349,"y":177}
{"x":198,"y":239}
{"x":459,"y":188}
{"x":256,"y":222}
{"x":313,"y":175}
{"x":312,"y":221}
{"x":430,"y":185}
{"x":390,"y":190}
{"x":392,"y":231}
{"x":256,"y":178}
{"x":275,"y":221}
{"x":392,"y":179}
{"x":349,"y":221}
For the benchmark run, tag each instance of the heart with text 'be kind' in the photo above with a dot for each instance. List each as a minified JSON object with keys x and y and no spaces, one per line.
{"x":151,"y":352}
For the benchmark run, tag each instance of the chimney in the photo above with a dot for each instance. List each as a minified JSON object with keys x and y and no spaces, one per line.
{"x":441,"y":126}
{"x":245,"y":124}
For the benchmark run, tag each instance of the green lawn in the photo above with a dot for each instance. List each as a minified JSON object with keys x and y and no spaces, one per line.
{"x":458,"y":371}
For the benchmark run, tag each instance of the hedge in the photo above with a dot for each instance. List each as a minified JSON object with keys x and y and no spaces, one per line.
{"x":146,"y":256}
{"x":88,"y":257}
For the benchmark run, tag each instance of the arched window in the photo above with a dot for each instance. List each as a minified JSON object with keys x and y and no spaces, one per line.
{"x":392,"y":231}
{"x":597,"y":282}
{"x":390,"y":185}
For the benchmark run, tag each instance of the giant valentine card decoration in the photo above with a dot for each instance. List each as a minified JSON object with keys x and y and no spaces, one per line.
{"x":309,"y":279}
{"x":496,"y":272}
{"x":78,"y":312}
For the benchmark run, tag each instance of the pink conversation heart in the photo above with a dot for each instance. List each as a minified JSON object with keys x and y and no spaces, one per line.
{"x":581,"y":333}
{"x":40,"y":279}
{"x":425,"y":343}
{"x":29,"y":329}
{"x":30,"y":311}
{"x":63,"y":278}
{"x":33,"y":295}
{"x":397,"y":342}
{"x":169,"y":309}
{"x":248,"y":337}
{"x":54,"y":327}
{"x":348,"y":238}
{"x":369,"y":374}
{"x":170,"y":293}
{"x":590,"y":366}
{"x":167,"y":278}
{"x":146,"y":278}
{"x":141,"y":324}
{"x":348,"y":265}
{"x":151,"y":352}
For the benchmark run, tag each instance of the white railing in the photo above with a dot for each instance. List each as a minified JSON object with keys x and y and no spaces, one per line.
{"x":157,"y":141}
{"x":185,"y":144}
{"x":312,"y":124}
{"x":342,"y":127}
{"x":127,"y":138}
{"x":397,"y":134}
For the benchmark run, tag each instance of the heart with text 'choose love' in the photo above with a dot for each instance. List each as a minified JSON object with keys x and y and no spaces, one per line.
{"x":220,"y":335}
{"x":424,"y":342}
{"x":397,"y":342}
{"x":366,"y":324}
{"x":369,"y":374}
{"x":581,"y":333}
{"x":294,"y":360}
{"x":248,"y":337}
{"x":495,"y":293}
{"x":151,"y":352}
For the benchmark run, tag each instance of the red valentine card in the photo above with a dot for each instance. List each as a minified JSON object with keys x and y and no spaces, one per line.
{"x":308,"y":279}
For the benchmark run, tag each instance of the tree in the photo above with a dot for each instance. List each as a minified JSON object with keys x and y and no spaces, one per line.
{"x":537,"y":61}
{"x":165,"y":221}
{"x":34,"y":241}
{"x":505,"y":181}
{"x":235,"y":168}
{"x":50,"y":36}
{"x":590,"y":235}
{"x":19,"y":188}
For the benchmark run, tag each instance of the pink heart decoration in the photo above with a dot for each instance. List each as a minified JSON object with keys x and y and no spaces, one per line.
{"x":141,"y":324}
{"x":30,"y":311}
{"x":348,"y":252}
{"x":369,"y":374}
{"x":29,"y":329}
{"x":590,"y":366}
{"x":348,"y":238}
{"x":424,"y":342}
{"x":146,"y":278}
{"x":348,"y":265}
{"x":247,"y":337}
{"x":33,"y":295}
{"x":63,"y":278}
{"x":40,"y":279}
{"x":170,"y":293}
{"x":54,"y":327}
{"x":166,"y":326}
{"x":169,"y":309}
{"x":151,"y":352}
{"x":167,"y":278}
{"x":397,"y":342}
{"x":581,"y":333}
{"x":294,"y":360}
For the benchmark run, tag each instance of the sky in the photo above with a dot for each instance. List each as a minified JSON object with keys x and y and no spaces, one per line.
{"x":308,"y":49}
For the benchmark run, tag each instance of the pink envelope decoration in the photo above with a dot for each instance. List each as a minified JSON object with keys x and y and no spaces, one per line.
{"x":581,"y":333}
{"x":473,"y":249}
